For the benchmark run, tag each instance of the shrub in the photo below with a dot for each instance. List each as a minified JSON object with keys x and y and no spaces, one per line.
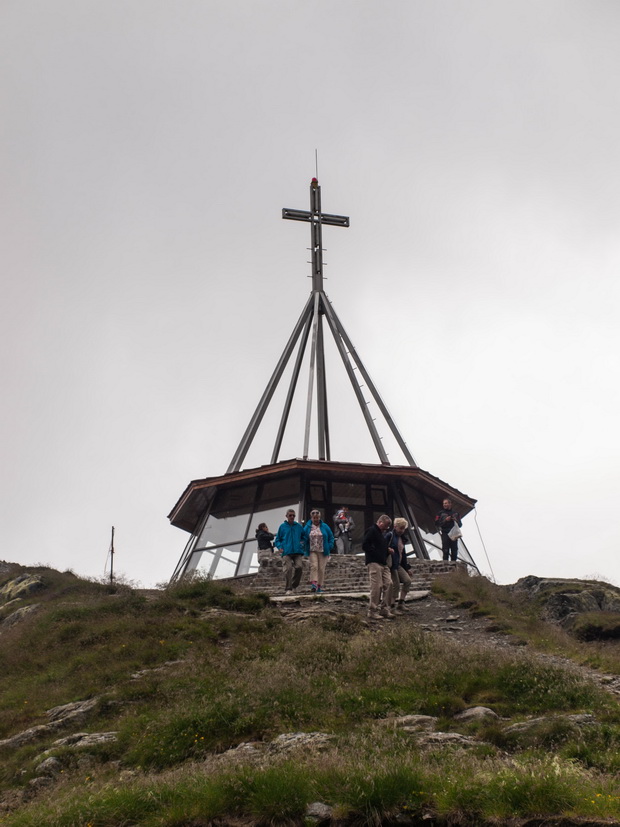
{"x":203,"y":592}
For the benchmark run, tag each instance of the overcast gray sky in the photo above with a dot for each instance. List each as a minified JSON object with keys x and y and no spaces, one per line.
{"x":150,"y":284}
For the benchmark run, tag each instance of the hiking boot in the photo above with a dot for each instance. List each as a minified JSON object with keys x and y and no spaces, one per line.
{"x":374,"y":615}
{"x":400,"y":606}
{"x":387,"y":614}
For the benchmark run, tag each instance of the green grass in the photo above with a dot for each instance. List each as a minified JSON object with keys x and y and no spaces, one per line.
{"x":244,"y":675}
{"x":597,"y":626}
{"x":363,"y":784}
{"x":594,"y":640}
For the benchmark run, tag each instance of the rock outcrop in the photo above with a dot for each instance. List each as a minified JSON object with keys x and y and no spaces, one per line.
{"x":58,"y":717}
{"x":22,"y":586}
{"x":568,"y":602}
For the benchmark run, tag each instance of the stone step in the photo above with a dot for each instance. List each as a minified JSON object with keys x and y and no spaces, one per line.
{"x":327,"y":596}
{"x":344,"y":574}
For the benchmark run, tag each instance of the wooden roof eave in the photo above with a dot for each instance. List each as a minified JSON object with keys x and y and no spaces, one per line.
{"x":185,"y":515}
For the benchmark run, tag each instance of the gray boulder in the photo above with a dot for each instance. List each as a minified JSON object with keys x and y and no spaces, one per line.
{"x":317,"y":812}
{"x":563,"y":601}
{"x":59,"y":716}
{"x":443,"y":738}
{"x":579,"y":719}
{"x":81,"y":740}
{"x":71,"y":712}
{"x":18,"y":615}
{"x":476,"y":713}
{"x":560,"y":605}
{"x":410,"y":723}
{"x":21,"y":586}
{"x":50,"y":766}
{"x":27,"y":736}
{"x":300,"y":740}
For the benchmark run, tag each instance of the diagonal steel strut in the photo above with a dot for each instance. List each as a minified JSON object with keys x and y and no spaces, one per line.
{"x":262,"y":406}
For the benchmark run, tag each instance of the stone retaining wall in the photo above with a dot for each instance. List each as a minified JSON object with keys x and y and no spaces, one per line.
{"x":344,"y":573}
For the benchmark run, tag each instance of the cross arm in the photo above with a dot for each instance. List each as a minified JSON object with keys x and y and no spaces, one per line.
{"x":326,"y":218}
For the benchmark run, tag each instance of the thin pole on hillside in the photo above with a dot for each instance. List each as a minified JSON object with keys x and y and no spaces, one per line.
{"x":112,"y":557}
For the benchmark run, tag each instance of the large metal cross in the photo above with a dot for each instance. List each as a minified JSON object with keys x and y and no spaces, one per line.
{"x":317,"y":219}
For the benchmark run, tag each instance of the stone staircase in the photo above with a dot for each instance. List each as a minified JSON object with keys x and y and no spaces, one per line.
{"x":345,"y":574}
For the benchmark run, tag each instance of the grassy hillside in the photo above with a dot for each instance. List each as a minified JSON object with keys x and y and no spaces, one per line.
{"x":186,"y":676}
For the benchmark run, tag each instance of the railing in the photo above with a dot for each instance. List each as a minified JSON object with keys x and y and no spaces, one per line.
{"x":218,"y":554}
{"x":435,"y":552}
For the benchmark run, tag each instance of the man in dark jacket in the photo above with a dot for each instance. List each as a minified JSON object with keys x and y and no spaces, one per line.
{"x":376,"y":550}
{"x":445,"y":521}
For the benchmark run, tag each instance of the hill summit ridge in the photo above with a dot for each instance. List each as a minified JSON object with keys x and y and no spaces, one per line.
{"x":217,"y":703}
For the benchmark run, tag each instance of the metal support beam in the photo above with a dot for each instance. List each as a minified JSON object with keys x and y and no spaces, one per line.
{"x":184,"y":563}
{"x":371,"y":387}
{"x":321,"y":386}
{"x":259,"y":413}
{"x":217,"y":556}
{"x":330,"y":316}
{"x":417,"y":541}
{"x":291,"y":390}
{"x":315,"y":308}
{"x":245,"y":555}
{"x":315,"y":326}
{"x":323,"y":418}
{"x":181,"y":566}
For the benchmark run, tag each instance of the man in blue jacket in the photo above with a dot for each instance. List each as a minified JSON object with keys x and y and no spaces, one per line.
{"x":291,"y":544}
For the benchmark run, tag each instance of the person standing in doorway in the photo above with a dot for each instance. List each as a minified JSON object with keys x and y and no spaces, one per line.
{"x":319,"y":543}
{"x":445,"y":522}
{"x":376,"y":549}
{"x":291,"y":544}
{"x":343,"y":526}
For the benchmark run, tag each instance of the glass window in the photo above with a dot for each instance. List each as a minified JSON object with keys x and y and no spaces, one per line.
{"x":233,"y":515}
{"x":223,"y":529}
{"x":274,"y":517}
{"x":232,"y":501}
{"x":378,"y":495}
{"x":359,"y":520}
{"x":424,"y":507}
{"x":216,"y":561}
{"x":433,"y":544}
{"x":318,"y":493}
{"x":280,"y":491}
{"x":348,"y":493}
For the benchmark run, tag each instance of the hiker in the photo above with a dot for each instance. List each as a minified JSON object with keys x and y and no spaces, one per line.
{"x":376,"y":550}
{"x":343,"y":526}
{"x":319,"y":543}
{"x":264,"y":539}
{"x":401,"y":579}
{"x":445,"y":521}
{"x":291,"y":544}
